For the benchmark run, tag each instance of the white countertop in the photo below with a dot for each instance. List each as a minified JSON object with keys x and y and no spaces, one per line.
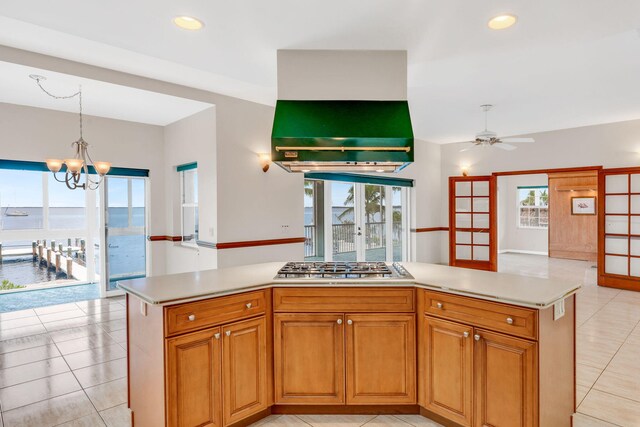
{"x":507,"y":288}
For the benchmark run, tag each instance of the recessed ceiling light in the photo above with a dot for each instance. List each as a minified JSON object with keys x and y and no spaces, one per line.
{"x":188,"y":22}
{"x":501,"y":22}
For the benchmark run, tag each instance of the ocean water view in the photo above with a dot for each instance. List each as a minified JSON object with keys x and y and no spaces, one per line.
{"x":126,"y":244}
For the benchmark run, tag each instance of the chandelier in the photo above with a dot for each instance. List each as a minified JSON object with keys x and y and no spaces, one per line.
{"x":82,"y":160}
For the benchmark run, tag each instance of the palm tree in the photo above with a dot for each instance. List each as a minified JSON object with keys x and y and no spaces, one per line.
{"x":373,"y":202}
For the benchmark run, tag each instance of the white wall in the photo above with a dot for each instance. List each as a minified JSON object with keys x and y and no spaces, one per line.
{"x":34,"y":134}
{"x":511,"y":237}
{"x":609,"y":145}
{"x":425,"y":201}
{"x":252,"y":204}
{"x":192,"y":139}
{"x":342,"y":74}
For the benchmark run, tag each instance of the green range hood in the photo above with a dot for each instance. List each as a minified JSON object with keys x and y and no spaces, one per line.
{"x":339,"y":136}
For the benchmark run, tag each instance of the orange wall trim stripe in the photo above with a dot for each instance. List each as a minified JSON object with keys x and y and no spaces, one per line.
{"x":250,"y":243}
{"x":167,"y":238}
{"x":429,"y":229}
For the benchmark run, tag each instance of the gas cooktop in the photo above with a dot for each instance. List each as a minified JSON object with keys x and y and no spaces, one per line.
{"x":342,"y":270}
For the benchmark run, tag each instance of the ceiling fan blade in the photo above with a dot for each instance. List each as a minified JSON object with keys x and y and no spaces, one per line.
{"x":504,"y":146}
{"x":517,"y":140}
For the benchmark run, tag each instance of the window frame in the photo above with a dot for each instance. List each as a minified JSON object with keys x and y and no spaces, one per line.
{"x":537,"y":207}
{"x":191,"y":243}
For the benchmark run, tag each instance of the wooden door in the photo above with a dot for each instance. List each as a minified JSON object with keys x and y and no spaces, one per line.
{"x":244,"y":367}
{"x":619,"y":228}
{"x":381,"y":358}
{"x":506,"y":382}
{"x":448,"y":379}
{"x":193,"y":379}
{"x":309,"y":358}
{"x":472,"y":222}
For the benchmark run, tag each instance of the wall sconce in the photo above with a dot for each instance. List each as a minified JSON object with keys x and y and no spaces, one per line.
{"x":464,"y":169}
{"x":265,"y":161}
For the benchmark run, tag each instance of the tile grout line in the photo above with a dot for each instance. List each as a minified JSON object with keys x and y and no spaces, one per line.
{"x":609,"y":362}
{"x":78,"y":381}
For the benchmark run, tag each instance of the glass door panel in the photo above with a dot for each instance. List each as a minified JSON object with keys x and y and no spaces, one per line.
{"x":619,"y":228}
{"x":343,"y":221}
{"x":472,"y":235}
{"x":375,"y":219}
{"x":125,"y":229}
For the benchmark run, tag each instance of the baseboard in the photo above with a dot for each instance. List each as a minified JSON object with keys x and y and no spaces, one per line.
{"x":519,"y":251}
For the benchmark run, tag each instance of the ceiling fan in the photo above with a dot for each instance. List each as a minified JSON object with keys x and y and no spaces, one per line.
{"x":487,"y":138}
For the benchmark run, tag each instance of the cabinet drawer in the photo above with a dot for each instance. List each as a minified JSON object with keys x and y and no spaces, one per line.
{"x":512,"y":320}
{"x":352,"y":300}
{"x":197,"y":315}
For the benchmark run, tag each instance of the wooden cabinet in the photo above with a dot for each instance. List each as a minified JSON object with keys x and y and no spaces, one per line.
{"x":309,"y":358}
{"x":476,"y":369}
{"x":448,"y":370}
{"x":217,"y":376}
{"x":381,"y":358}
{"x":193,"y":379}
{"x":244,"y":362}
{"x":506,"y":380}
{"x":312,"y":367}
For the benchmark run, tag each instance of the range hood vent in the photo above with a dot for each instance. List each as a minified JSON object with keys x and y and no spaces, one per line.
{"x":340,"y":136}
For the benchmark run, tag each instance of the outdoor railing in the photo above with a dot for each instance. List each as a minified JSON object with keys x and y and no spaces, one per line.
{"x":344,"y":237}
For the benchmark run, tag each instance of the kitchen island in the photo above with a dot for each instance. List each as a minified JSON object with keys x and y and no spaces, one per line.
{"x":464,"y":347}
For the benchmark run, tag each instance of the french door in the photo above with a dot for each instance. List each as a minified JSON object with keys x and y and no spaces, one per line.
{"x":124,"y":243}
{"x":472,"y":222}
{"x":619,"y":228}
{"x":368,"y":222}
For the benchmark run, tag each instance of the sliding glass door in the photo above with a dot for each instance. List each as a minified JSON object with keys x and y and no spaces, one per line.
{"x":125,"y":247}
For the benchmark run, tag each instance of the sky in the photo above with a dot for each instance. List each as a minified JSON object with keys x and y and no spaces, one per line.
{"x":24,"y":189}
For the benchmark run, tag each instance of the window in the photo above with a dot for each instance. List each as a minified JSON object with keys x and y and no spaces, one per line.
{"x":21,"y":200}
{"x":533,"y":207}
{"x":189,"y":203}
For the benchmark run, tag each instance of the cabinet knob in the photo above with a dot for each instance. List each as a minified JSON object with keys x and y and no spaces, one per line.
{"x":339,"y":321}
{"x":349,"y":322}
{"x":476,"y":337}
{"x":192,"y":317}
{"x":439,"y":305}
{"x":509,"y":320}
{"x":216,"y":335}
{"x":248,"y":305}
{"x":465,"y":334}
{"x":228,"y":333}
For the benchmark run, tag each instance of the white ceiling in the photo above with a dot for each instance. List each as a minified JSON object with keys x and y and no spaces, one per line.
{"x":565,"y":64}
{"x":98,"y":98}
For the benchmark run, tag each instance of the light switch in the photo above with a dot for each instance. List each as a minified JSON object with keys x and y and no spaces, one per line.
{"x":558,"y":309}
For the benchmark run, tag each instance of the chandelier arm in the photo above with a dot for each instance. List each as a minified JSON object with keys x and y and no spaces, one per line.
{"x":68,"y":179}
{"x":55,"y":176}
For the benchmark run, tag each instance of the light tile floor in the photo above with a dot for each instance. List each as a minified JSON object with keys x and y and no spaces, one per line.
{"x":608,"y":341}
{"x":65,"y":365}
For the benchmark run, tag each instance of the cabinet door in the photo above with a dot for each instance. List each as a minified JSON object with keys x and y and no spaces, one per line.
{"x":193,"y":379}
{"x":506,"y":380}
{"x":448,"y":359}
{"x":381,"y":358}
{"x":309,"y":358}
{"x":244,"y":367}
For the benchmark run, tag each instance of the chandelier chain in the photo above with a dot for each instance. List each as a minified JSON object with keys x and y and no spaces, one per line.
{"x":78,"y":94}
